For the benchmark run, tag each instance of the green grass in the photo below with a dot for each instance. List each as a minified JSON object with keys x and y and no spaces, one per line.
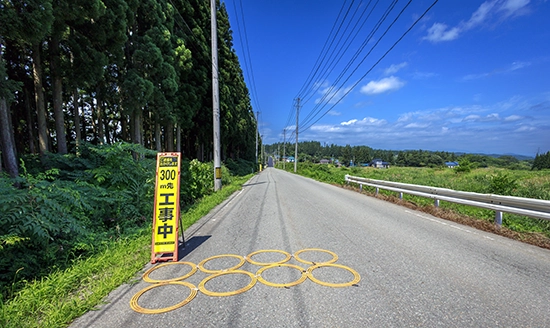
{"x":63,"y":296}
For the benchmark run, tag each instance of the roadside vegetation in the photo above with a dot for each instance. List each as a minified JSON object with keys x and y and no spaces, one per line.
{"x":467,"y":177}
{"x":75,"y":228}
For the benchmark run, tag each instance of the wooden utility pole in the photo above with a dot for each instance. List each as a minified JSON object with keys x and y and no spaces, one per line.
{"x":284,"y":148}
{"x":296,"y":147}
{"x":257,"y":132}
{"x":215,"y":99}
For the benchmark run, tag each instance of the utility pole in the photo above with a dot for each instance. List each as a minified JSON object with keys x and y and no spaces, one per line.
{"x":264,"y":163}
{"x":215,"y":98}
{"x":296,"y":147}
{"x":284,"y":148}
{"x":257,"y":132}
{"x":278,"y":157}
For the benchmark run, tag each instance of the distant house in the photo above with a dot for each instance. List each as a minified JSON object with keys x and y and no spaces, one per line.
{"x":324,"y":161}
{"x":378,"y":163}
{"x":451,"y":165}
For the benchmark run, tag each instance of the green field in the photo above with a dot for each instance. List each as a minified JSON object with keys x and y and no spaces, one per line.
{"x":520,"y":183}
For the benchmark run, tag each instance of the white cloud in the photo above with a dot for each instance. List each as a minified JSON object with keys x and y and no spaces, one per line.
{"x":334,"y":113}
{"x":497,"y":128}
{"x":417,"y":125}
{"x":477,"y":118}
{"x":512,"y":118}
{"x":518,"y":65}
{"x":440,"y":32}
{"x":350,"y":122}
{"x":383,"y":85}
{"x":514,"y":7}
{"x":472,"y":118}
{"x":394,"y":68}
{"x":370,"y":121}
{"x":325,"y":128}
{"x":512,"y":67}
{"x":525,"y":128}
{"x":405,"y":117}
{"x":501,"y":9}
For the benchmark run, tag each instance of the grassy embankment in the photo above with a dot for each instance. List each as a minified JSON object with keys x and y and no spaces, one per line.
{"x":59,"y":298}
{"x":520,"y":183}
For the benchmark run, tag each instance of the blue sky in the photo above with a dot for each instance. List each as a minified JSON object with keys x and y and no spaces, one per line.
{"x":470,"y":76}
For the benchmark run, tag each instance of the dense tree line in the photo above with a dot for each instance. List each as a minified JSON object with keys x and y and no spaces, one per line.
{"x":104,"y":71}
{"x":314,"y":151}
{"x":542,"y":161}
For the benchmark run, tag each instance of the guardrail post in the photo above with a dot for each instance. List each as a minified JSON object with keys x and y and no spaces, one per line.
{"x":498,"y":218}
{"x":377,"y":190}
{"x":400,"y":195}
{"x":360,"y":188}
{"x":436,"y":203}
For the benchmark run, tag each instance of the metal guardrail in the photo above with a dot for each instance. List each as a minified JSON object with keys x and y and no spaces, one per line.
{"x":536,"y":208}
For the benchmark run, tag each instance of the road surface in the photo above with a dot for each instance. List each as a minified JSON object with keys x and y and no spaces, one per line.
{"x":415,"y":269}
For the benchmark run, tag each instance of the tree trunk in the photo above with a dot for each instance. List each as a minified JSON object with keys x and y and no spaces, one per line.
{"x":40,"y":105}
{"x":157,"y":135}
{"x":6,"y":135}
{"x":57,"y":97}
{"x":124,"y":126}
{"x":84,"y":128}
{"x":77,"y":120}
{"x":99,"y":116}
{"x":30,"y":122}
{"x":169,"y":136}
{"x":107,"y":129}
{"x":93,"y":118}
{"x":1,"y":150}
{"x":136,"y":124}
{"x":178,"y":138}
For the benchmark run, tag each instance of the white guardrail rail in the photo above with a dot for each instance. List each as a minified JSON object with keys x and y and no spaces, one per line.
{"x":536,"y":208}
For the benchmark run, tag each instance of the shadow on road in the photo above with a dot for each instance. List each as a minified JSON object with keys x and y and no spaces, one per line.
{"x":190,"y":245}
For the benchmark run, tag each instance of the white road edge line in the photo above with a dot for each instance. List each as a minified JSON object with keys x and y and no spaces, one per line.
{"x":447,"y":224}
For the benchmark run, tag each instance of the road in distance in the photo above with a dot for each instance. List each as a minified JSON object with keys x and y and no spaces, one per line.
{"x":416,"y":270}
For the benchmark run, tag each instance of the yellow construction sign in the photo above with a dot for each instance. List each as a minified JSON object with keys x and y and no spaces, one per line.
{"x":167,"y":208}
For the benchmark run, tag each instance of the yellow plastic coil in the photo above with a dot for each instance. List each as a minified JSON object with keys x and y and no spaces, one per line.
{"x":136,"y":307}
{"x":203,"y":262}
{"x":286,"y":259}
{"x":297,"y":257}
{"x":205,"y":291}
{"x":288,"y":284}
{"x":356,"y":276}
{"x":189,"y":274}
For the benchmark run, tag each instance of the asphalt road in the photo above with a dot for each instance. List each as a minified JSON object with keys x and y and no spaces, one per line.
{"x":416,"y":270}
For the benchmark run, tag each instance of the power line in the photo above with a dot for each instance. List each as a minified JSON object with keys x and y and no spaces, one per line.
{"x":317,"y":64}
{"x":378,"y":61}
{"x":246,"y":52}
{"x":331,"y":93}
{"x":342,"y":50}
